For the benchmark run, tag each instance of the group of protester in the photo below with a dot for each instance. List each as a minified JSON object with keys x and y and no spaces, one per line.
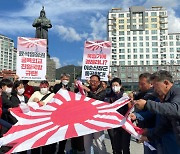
{"x":157,"y":112}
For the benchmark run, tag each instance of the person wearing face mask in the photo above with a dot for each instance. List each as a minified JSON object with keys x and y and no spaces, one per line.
{"x":6,"y":86}
{"x":18,"y":94}
{"x":43,"y":96}
{"x":63,"y":84}
{"x":120,"y":139}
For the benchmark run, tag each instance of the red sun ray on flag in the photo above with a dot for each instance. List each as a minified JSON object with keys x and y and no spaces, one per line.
{"x":31,"y":42}
{"x":95,"y":45}
{"x":67,"y":115}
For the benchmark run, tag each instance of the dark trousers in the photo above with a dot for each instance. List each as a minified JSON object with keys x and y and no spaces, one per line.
{"x":62,"y":145}
{"x":121,"y":141}
{"x":77,"y":143}
{"x":111,"y":136}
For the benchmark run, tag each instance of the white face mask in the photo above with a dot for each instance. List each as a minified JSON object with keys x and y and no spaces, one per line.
{"x":65,"y":82}
{"x":8,"y":90}
{"x":44,"y":91}
{"x":21,"y":91}
{"x":116,"y":89}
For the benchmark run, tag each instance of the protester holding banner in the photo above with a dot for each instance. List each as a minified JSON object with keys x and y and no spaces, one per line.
{"x":95,"y":91}
{"x":120,"y":139}
{"x":43,"y":96}
{"x":169,"y":108}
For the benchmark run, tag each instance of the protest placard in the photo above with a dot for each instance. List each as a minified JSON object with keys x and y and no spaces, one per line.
{"x":96,"y":59}
{"x":31,"y":58}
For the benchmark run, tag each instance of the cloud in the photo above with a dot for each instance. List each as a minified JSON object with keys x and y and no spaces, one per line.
{"x":79,"y":63}
{"x":57,"y":61}
{"x":98,"y":25}
{"x":173,"y":22}
{"x":69,"y":34}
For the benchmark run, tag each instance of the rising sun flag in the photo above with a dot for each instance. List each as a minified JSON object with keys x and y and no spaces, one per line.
{"x":67,"y":115}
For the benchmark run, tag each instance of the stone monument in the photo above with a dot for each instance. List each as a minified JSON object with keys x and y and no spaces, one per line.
{"x":42,"y":24}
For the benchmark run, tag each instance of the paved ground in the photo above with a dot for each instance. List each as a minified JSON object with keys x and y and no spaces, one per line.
{"x":135,"y":148}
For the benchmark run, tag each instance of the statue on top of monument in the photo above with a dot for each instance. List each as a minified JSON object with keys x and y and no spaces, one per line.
{"x":42,"y":25}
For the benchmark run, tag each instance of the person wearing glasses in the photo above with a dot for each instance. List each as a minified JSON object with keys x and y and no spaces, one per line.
{"x":95,"y":91}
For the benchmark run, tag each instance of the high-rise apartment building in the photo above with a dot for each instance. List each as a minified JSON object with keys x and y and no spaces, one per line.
{"x":140,"y":39}
{"x":8,"y":54}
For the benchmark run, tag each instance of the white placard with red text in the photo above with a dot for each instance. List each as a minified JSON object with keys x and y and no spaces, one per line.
{"x":96,"y":59}
{"x":31,"y":58}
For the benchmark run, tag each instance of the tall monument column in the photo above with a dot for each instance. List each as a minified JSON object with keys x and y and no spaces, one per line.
{"x":42,"y":24}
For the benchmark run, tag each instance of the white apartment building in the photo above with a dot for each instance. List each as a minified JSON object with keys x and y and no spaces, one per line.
{"x":8,"y":54}
{"x":140,"y":36}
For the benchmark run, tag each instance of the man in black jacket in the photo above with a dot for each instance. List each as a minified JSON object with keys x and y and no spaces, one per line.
{"x":95,"y":91}
{"x":170,"y":106}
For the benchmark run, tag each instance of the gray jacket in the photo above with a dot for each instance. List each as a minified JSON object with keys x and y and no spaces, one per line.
{"x":170,"y":108}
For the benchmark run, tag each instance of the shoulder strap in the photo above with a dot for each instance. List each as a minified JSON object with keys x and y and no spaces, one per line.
{"x":44,"y":97}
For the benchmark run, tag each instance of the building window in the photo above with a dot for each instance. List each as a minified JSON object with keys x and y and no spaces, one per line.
{"x":129,"y":38}
{"x":146,"y":19}
{"x":147,"y":50}
{"x":113,"y":15}
{"x":155,"y":56}
{"x":128,"y":32}
{"x":171,"y":55}
{"x":121,"y":51}
{"x":153,"y":19}
{"x":141,"y":50}
{"x":171,"y":43}
{"x":128,"y":26}
{"x":153,"y":25}
{"x":121,"y":38}
{"x":141,"y":62}
{"x":129,"y":44}
{"x":129,"y":62}
{"x":141,"y":44}
{"x":121,"y":21}
{"x":147,"y":37}
{"x":154,"y":32}
{"x":155,"y":62}
{"x":134,"y":50}
{"x":154,"y":44}
{"x":141,"y":56}
{"x":134,"y":38}
{"x":154,"y":37}
{"x":153,"y":14}
{"x":154,"y":49}
{"x":134,"y":44}
{"x":147,"y":32}
{"x":129,"y":56}
{"x":135,"y":62}
{"x":121,"y":33}
{"x":171,"y":49}
{"x":122,"y":62}
{"x":121,"y":15}
{"x":147,"y":44}
{"x":141,"y":38}
{"x":171,"y":37}
{"x":134,"y":32}
{"x":121,"y":44}
{"x":147,"y":57}
{"x":140,"y":32}
{"x":129,"y":50}
{"x":135,"y":56}
{"x":121,"y":56}
{"x":121,"y":27}
{"x":178,"y":43}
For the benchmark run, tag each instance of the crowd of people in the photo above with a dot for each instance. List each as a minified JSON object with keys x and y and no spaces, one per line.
{"x":157,"y":112}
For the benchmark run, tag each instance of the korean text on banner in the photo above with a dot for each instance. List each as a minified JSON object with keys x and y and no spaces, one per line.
{"x":96,"y":59}
{"x":31,"y":58}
